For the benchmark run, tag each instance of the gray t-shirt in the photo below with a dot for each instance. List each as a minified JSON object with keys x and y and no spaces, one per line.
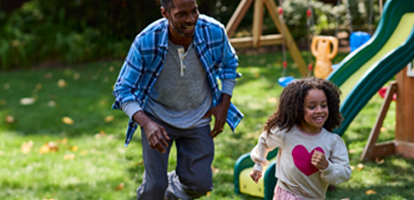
{"x":181,"y":95}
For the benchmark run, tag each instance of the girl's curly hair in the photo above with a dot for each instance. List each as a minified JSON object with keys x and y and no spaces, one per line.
{"x":290,"y":109}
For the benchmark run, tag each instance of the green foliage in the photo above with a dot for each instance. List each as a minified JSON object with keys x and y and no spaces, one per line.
{"x":54,"y":30}
{"x":85,"y":30}
{"x":326,"y":17}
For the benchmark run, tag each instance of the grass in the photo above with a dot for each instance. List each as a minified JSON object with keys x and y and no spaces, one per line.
{"x":89,"y":160}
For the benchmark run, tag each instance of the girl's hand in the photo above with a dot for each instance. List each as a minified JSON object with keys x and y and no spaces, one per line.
{"x":256,"y":175}
{"x":319,"y":160}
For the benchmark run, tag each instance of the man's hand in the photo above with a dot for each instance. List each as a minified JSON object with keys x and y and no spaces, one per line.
{"x":255,"y":175}
{"x":220,"y":114}
{"x":319,"y":160}
{"x":156,"y":134}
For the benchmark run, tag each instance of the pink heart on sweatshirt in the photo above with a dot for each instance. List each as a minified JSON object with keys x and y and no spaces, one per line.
{"x":302,"y":159}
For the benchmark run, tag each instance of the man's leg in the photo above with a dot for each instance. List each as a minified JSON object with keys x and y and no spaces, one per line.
{"x":193,"y":176}
{"x":155,"y":175}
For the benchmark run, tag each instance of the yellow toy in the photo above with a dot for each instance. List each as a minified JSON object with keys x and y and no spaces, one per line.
{"x":321,"y":49}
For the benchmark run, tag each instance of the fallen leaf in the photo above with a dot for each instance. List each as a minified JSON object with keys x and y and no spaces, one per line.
{"x":257,"y":75}
{"x":382,"y":129}
{"x":120,"y":186}
{"x":207,"y":194}
{"x":26,"y":147}
{"x":53,"y":146}
{"x":49,"y":75}
{"x":352,"y":168}
{"x":9,"y":119}
{"x":2,"y":102}
{"x":352,"y":151}
{"x":272,"y":100}
{"x":6,"y":86}
{"x":44,"y":149}
{"x":100,"y":134}
{"x":369,"y":192}
{"x":73,"y":148}
{"x":62,"y":83}
{"x":63,"y":141}
{"x":109,"y":118}
{"x":215,"y":170}
{"x":27,"y":101}
{"x":67,"y":120}
{"x":141,"y":162}
{"x":69,"y":156}
{"x":360,"y":166}
{"x":76,"y":76}
{"x":51,"y":104}
{"x":379,"y":160}
{"x":111,"y":68}
{"x":39,"y":86}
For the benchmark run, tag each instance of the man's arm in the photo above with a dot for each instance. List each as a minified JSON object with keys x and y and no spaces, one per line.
{"x":156,"y":134}
{"x":220,"y":114}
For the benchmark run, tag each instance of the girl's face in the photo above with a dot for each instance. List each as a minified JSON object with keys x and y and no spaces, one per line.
{"x":316,"y":111}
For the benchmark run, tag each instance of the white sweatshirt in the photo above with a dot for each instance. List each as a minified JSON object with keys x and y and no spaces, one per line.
{"x":293,"y":167}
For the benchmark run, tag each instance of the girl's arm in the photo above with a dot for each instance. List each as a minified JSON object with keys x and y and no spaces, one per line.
{"x":267,"y":142}
{"x":338,"y":170}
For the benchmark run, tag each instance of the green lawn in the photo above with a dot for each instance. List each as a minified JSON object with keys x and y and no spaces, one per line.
{"x":88,"y":159}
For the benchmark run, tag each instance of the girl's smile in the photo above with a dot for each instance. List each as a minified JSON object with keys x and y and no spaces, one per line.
{"x":316,"y":112}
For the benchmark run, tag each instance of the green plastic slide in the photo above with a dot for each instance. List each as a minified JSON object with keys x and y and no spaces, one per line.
{"x":360,"y":75}
{"x":363,"y":72}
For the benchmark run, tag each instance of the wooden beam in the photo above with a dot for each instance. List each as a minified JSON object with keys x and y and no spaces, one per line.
{"x":404,"y":149}
{"x":404,"y":129}
{"x":290,"y":43}
{"x":237,"y":17}
{"x":257,"y":22}
{"x":265,"y":40}
{"x":370,"y":150}
{"x":382,"y":149}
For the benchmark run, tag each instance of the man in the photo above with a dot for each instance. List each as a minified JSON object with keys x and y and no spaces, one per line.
{"x":168,"y":86}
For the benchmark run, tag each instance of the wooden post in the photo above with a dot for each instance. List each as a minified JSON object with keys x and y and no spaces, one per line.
{"x":257,"y":22}
{"x":404,"y":130}
{"x":258,"y":39}
{"x":373,"y":150}
{"x":290,"y":43}
{"x":237,"y":17}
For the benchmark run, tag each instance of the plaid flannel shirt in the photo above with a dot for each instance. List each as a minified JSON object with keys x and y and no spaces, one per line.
{"x":145,"y":61}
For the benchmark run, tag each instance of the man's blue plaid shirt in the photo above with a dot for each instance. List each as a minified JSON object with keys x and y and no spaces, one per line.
{"x":145,"y":61}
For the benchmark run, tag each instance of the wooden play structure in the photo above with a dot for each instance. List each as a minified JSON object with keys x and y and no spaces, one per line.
{"x":403,"y":144}
{"x":257,"y":38}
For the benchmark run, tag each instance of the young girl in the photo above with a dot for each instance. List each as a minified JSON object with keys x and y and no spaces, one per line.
{"x":310,"y":157}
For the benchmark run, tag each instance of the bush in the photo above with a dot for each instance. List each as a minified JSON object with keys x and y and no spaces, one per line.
{"x":326,"y":17}
{"x":86,"y":30}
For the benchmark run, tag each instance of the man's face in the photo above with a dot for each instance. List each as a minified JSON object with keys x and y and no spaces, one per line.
{"x":182,"y":18}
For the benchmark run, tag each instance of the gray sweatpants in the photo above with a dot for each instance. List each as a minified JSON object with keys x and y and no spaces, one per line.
{"x":192,"y":177}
